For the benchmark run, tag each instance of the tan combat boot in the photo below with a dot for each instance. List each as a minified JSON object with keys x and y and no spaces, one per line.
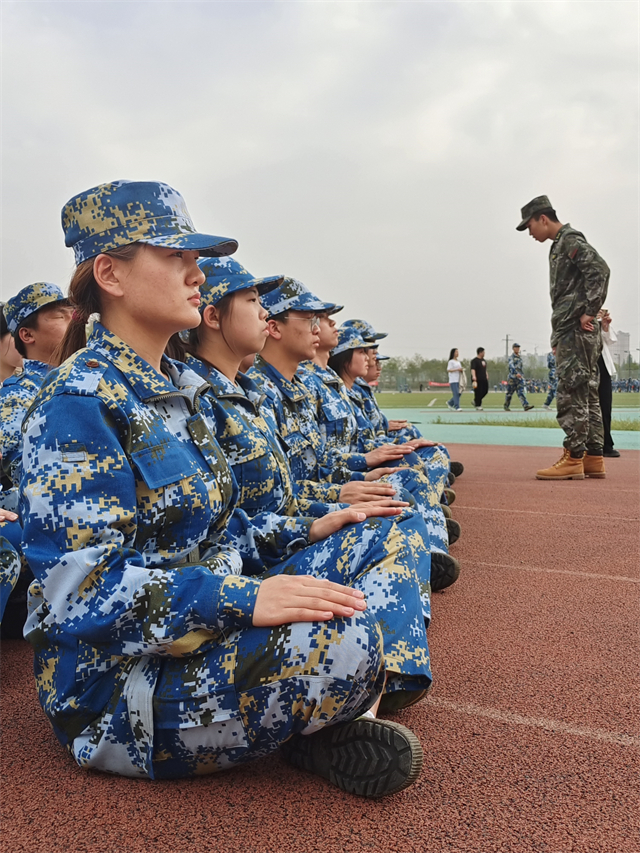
{"x":594,"y":467}
{"x":566,"y":468}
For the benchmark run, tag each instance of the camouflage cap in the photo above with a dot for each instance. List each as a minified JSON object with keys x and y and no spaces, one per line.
{"x":292,"y":295}
{"x":30,"y":299}
{"x":124,"y":212}
{"x":382,"y":357}
{"x":536,"y":205}
{"x":515,"y":346}
{"x":368,"y":332}
{"x":349,"y":338}
{"x":227,"y":275}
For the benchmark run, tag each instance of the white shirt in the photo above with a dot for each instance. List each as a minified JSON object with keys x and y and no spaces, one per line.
{"x":454,"y":369}
{"x":608,"y":338}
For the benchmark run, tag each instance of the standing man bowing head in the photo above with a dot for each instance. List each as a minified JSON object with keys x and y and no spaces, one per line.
{"x":579,"y":279}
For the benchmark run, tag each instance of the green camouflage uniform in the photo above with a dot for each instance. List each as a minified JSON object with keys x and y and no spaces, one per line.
{"x":579,"y":283}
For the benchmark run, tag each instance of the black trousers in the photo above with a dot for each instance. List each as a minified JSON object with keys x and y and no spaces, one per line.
{"x":606,"y":399}
{"x":480,"y":392}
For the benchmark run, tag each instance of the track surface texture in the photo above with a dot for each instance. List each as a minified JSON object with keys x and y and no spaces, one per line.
{"x":531,"y":733}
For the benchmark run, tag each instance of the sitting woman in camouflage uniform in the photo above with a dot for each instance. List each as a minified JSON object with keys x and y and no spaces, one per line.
{"x":233,"y":325}
{"x":154,"y":655}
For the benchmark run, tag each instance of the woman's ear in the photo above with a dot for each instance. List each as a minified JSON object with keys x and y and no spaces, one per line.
{"x":108,"y":273}
{"x":210,"y":317}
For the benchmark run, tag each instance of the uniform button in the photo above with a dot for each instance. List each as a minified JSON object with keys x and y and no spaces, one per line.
{"x":93,"y":363}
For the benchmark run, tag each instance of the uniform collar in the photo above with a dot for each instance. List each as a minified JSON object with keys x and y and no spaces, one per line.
{"x":294,"y":389}
{"x":144,"y":380}
{"x":33,"y":367}
{"x":222,"y":386}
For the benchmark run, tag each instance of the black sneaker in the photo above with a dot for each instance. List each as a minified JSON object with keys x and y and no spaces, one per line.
{"x":445,"y":570}
{"x":371,"y":758}
{"x":456,"y":468}
{"x":529,"y":407}
{"x":451,"y":477}
{"x":453,"y":529}
{"x":506,"y":408}
{"x":399,"y":699}
{"x":611,"y":452}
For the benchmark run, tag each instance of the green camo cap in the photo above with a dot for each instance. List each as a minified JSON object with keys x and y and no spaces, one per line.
{"x":536,"y":205}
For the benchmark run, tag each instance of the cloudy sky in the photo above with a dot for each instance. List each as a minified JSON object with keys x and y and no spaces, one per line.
{"x":378,"y":151}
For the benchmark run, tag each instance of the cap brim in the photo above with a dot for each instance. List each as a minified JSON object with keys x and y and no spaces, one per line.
{"x":523,"y":224}
{"x":267,"y":284}
{"x":208,"y":245}
{"x":335,"y":309}
{"x":383,"y":357}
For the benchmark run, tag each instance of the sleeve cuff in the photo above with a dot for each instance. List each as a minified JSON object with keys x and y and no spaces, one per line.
{"x":237,"y":601}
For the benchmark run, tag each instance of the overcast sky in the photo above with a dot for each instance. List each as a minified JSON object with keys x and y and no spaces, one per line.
{"x":378,"y":151}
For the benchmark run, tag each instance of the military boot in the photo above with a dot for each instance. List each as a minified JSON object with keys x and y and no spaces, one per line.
{"x":594,"y":466}
{"x":566,"y":468}
{"x":446,"y":511}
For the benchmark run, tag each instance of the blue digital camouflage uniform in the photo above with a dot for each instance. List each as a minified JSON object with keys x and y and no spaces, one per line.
{"x":515,"y":381}
{"x":553,"y":380}
{"x":266,"y":493}
{"x":9,"y":570}
{"x":16,"y":396}
{"x":146,"y":660}
{"x":319,"y":476}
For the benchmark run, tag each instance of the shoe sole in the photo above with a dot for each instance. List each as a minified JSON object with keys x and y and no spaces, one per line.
{"x":453,"y":530}
{"x":563,"y":477}
{"x":369,"y":758}
{"x":443,"y":574}
{"x":599,"y":476}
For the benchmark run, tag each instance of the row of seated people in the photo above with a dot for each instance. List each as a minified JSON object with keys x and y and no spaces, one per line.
{"x":177,"y":508}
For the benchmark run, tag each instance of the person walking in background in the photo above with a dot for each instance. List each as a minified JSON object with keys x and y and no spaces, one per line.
{"x":607,"y":369}
{"x":515,"y":381}
{"x":553,"y":380}
{"x":479,"y":378}
{"x":454,"y":369}
{"x":579,"y":281}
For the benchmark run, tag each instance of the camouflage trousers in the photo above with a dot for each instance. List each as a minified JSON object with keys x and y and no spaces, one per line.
{"x":578,"y":403}
{"x":9,"y":568}
{"x":552,"y":390}
{"x":421,"y":478}
{"x":302,"y":676}
{"x":515,"y":386}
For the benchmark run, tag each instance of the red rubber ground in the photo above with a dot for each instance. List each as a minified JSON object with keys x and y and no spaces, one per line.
{"x":531,"y":733}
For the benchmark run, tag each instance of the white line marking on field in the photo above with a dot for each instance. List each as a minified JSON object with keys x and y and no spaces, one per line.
{"x":615,"y":578}
{"x":535,"y":722}
{"x":431,"y":403}
{"x":557,"y":514}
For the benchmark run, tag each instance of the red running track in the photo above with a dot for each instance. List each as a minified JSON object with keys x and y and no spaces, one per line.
{"x":531,"y":733}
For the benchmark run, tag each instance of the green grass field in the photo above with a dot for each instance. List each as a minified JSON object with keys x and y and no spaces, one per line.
{"x":625,"y":424}
{"x":420,"y":400}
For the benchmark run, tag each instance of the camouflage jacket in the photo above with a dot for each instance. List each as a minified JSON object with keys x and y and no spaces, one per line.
{"x":335,"y":417}
{"x":247,"y":434}
{"x":295,"y":416}
{"x":125,"y":500}
{"x":579,"y":280}
{"x":16,"y":396}
{"x":515,"y":368}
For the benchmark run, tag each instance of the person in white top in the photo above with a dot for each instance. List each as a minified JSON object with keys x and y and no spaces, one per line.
{"x":454,"y":369}
{"x":607,"y":370}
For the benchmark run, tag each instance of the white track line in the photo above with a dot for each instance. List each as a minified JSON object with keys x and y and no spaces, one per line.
{"x":535,"y":722}
{"x":556,"y":514}
{"x":615,"y":578}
